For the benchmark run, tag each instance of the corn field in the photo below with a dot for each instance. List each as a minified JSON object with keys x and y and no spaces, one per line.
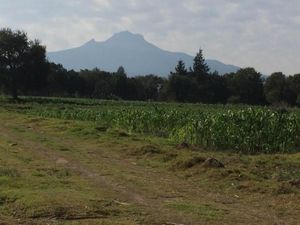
{"x":242,"y":129}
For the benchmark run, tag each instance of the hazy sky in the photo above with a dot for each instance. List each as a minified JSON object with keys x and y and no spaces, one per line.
{"x":264,"y":34}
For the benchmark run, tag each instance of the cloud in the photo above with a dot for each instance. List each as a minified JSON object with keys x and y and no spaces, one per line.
{"x":260,"y":33}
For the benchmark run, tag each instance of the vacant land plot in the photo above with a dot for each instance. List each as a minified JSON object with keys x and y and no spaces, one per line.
{"x":62,"y":169}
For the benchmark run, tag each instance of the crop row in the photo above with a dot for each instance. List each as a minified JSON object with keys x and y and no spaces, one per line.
{"x":249,"y":130}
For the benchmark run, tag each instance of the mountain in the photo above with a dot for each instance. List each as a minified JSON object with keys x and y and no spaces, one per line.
{"x":131,"y":51}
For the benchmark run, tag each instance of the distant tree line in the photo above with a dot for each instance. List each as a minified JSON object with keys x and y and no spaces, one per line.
{"x":24,"y":70}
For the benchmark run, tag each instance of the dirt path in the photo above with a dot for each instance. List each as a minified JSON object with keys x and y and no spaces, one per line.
{"x":122,"y":193}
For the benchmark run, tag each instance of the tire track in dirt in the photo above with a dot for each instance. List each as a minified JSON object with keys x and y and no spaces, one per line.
{"x":122,"y":193}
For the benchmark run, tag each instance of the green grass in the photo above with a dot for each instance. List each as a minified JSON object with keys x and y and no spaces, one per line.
{"x":240,"y":128}
{"x":199,"y":211}
{"x":58,"y":171}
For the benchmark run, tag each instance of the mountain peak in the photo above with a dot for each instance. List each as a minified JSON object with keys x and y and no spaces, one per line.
{"x":130,"y":50}
{"x":90,"y":42}
{"x":127,"y":36}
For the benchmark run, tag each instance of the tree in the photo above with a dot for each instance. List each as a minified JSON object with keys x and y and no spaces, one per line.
{"x":150,"y":87}
{"x":34,"y":78}
{"x":2,"y":86}
{"x":246,"y":86}
{"x":96,"y":83}
{"x":57,"y":80}
{"x":217,"y":91}
{"x":121,"y":71}
{"x":277,"y":89}
{"x":291,"y":91}
{"x":200,"y":67}
{"x":102,"y":90}
{"x":120,"y":83}
{"x":21,"y":60}
{"x":180,"y":68}
{"x":181,"y":88}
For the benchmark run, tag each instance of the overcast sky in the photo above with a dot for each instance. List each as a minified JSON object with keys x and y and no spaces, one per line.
{"x":264,"y":34}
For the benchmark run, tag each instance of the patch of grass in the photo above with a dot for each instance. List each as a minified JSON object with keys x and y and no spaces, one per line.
{"x":279,"y":167}
{"x":7,"y":172}
{"x":67,"y":206}
{"x":56,"y":172}
{"x":169,"y":156}
{"x":7,"y":198}
{"x":203,"y":211}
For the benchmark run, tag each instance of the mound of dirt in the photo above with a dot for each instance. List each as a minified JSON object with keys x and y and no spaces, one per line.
{"x":201,"y":161}
{"x":295,"y":183}
{"x":147,"y":150}
{"x":212,"y":163}
{"x":101,"y":129}
{"x":183,"y":145}
{"x":123,"y":134}
{"x":189,"y":163}
{"x":284,"y":188}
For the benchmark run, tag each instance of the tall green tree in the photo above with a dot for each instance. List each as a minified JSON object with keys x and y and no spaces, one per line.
{"x":180,"y":68}
{"x":121,"y":71}
{"x":200,"y":67}
{"x":21,"y":61}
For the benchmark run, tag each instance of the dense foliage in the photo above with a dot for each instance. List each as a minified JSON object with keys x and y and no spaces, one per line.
{"x":244,"y":129}
{"x":23,"y":65}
